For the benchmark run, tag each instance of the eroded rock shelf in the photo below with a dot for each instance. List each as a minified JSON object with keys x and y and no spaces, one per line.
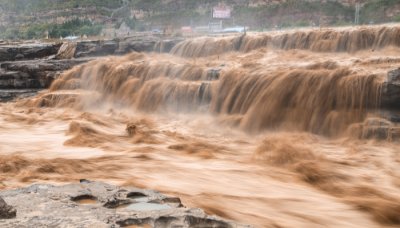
{"x":96,"y":204}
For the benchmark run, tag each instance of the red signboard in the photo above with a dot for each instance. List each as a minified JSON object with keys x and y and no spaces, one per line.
{"x":221,"y":12}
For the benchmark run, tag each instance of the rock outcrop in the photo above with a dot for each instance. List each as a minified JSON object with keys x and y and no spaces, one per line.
{"x":391,"y":90}
{"x":6,"y":211}
{"x":26,"y":51}
{"x":85,"y":48}
{"x":95,"y":204}
{"x":11,"y":94}
{"x":125,"y":45}
{"x":149,"y":44}
{"x":96,"y":48}
{"x":34,"y":74}
{"x":67,"y":51}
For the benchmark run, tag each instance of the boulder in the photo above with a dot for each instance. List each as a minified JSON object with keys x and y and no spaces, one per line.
{"x":6,"y":211}
{"x":66,"y":51}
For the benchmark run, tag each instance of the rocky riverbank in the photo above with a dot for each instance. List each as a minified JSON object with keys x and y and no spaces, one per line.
{"x":16,"y":51}
{"x":96,"y":204}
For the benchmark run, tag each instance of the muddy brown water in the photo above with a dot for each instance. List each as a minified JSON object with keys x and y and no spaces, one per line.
{"x":268,"y":140}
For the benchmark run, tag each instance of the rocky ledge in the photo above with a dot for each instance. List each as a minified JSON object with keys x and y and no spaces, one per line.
{"x":33,"y":66}
{"x":391,"y":90}
{"x":20,"y":51}
{"x":34,"y":74}
{"x":96,"y":204}
{"x":85,"y":48}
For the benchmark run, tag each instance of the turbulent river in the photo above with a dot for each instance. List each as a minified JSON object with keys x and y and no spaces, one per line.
{"x":272,"y":130}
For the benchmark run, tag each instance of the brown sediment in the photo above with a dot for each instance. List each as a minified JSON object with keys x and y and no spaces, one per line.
{"x":274,"y":130}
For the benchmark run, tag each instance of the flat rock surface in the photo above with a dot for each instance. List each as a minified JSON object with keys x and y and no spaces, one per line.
{"x":96,"y":204}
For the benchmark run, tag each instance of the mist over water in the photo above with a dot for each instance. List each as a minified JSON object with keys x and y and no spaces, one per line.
{"x":266,"y":129}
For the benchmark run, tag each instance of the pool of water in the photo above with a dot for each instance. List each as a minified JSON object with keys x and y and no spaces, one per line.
{"x":143,"y":206}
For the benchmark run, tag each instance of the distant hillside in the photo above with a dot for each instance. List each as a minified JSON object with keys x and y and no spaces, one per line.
{"x":35,"y":18}
{"x":45,"y":5}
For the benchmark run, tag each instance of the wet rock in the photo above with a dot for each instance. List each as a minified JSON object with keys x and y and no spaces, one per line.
{"x":131,"y":129}
{"x":84,"y":181}
{"x":376,"y":128}
{"x":34,"y":74}
{"x":96,"y":48}
{"x":89,"y":204}
{"x":124,"y":45}
{"x":14,"y":79}
{"x":136,"y":44}
{"x":6,"y":211}
{"x":213,"y":74}
{"x":66,"y":51}
{"x":11,"y":94}
{"x":390,"y":115}
{"x":19,"y":57}
{"x":115,"y":203}
{"x":379,"y":129}
{"x":12,"y":52}
{"x":391,"y":90}
{"x":146,"y":44}
{"x":394,"y":76}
